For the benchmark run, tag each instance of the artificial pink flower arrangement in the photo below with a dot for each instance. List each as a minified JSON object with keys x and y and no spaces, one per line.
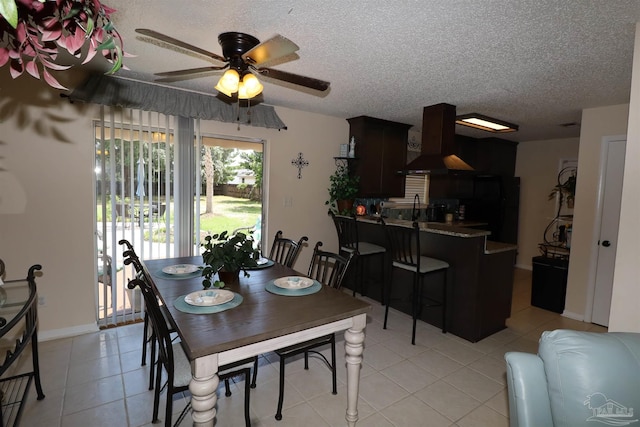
{"x":33,"y":32}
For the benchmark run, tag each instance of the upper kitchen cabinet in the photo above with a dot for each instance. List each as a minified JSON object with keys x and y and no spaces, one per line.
{"x":381,"y":150}
{"x":495,"y":156}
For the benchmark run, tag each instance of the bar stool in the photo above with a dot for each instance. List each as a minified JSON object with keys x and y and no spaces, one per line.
{"x":347,"y":229}
{"x":404,"y":243}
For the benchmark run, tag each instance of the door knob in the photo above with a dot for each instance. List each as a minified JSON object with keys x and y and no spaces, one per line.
{"x":606,"y":243}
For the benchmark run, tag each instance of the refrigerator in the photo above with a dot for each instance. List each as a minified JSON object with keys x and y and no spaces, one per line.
{"x":496,"y":201}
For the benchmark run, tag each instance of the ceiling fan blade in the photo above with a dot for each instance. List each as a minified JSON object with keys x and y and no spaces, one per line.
{"x":276,"y":47}
{"x":189,"y":71}
{"x":181,"y":75}
{"x":296,"y":79}
{"x":179,"y":43}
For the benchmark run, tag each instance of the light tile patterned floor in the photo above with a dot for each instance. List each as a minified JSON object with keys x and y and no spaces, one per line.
{"x":96,"y":379}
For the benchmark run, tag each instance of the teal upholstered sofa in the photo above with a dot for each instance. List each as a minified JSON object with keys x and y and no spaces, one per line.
{"x":576,"y":379}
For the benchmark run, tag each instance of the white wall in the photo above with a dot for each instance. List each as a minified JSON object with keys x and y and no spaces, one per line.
{"x":596,"y":124}
{"x":537,"y":166}
{"x":626,"y":292}
{"x":47,"y":149}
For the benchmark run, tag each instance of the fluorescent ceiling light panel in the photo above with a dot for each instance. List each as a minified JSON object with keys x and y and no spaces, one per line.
{"x":478,"y":121}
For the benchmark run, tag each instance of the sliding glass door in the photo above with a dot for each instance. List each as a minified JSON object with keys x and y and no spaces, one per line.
{"x":163,"y":190}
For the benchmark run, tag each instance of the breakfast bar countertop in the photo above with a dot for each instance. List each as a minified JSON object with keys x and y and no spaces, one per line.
{"x":456,"y":228}
{"x":491,"y":247}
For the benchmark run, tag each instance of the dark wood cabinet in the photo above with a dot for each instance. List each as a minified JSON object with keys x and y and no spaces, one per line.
{"x":495,"y":156}
{"x":381,"y":149}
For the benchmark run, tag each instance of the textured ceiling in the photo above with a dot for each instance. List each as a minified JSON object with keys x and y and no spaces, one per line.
{"x":536,"y":63}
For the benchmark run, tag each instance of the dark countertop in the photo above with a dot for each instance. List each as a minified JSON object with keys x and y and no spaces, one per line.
{"x":456,"y":228}
{"x":497,"y":247}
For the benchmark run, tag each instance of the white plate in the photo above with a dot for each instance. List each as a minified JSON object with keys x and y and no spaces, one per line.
{"x":288,"y":283}
{"x":180,"y":269}
{"x":209,"y":297}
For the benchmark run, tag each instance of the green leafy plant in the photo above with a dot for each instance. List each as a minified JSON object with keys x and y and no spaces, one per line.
{"x":35,"y":32}
{"x":228,"y":253}
{"x":342,"y":186}
{"x":565,"y":190}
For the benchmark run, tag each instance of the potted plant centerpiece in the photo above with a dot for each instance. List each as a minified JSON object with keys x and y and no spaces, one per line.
{"x":343,"y":189}
{"x":226,"y":255}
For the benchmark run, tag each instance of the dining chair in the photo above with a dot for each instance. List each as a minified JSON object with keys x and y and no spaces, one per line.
{"x":148,"y":337}
{"x":172,"y":358}
{"x":349,"y":241}
{"x":285,"y":251}
{"x":329,"y":269}
{"x":404,"y":243}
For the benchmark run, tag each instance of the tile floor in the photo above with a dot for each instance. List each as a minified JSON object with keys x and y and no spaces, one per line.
{"x":96,"y":379}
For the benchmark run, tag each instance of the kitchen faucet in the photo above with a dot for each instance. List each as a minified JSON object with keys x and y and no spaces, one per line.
{"x":415,"y":213}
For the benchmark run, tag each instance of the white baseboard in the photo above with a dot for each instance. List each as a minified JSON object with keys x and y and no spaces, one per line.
{"x":73,"y":331}
{"x":525,"y":266}
{"x":574,"y":316}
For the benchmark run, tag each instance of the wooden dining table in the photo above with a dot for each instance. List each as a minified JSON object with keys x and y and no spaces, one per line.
{"x":263,"y":322}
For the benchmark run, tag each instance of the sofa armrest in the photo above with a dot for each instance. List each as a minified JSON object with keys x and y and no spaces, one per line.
{"x":529,"y":404}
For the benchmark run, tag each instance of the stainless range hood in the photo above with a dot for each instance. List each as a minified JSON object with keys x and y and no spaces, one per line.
{"x":437,"y":155}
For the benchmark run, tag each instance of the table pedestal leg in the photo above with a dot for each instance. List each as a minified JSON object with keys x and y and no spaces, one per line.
{"x":354,"y":338}
{"x":203,"y":385}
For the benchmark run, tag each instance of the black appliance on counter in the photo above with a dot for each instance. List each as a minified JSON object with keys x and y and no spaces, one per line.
{"x":436,"y":212}
{"x":496,"y":201}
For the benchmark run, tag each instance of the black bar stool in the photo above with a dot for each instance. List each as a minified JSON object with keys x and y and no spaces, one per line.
{"x":404,"y":243}
{"x":347,"y":229}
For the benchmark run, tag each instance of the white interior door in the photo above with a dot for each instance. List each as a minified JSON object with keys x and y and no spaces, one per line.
{"x":608,"y":239}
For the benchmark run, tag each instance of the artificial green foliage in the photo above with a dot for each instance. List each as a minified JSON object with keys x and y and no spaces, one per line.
{"x":342,"y":186}
{"x":566,"y":189}
{"x":228,"y":253}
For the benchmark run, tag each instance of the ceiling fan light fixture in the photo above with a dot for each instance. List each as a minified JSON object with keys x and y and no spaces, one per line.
{"x":229,"y":82}
{"x":249,"y":87}
{"x":252,"y":85}
{"x":478,"y":121}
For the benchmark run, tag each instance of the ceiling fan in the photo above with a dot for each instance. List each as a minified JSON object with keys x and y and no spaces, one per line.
{"x":242,"y":55}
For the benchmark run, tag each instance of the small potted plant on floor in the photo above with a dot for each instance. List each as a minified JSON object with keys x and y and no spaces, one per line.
{"x":343,"y":189}
{"x":226,"y":255}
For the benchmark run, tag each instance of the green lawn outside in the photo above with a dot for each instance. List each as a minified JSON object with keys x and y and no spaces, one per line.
{"x":229,"y":213}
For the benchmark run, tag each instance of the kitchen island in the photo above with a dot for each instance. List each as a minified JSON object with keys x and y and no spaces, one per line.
{"x":480,"y":276}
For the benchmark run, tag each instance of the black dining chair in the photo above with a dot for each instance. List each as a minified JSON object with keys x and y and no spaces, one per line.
{"x":131,"y":258}
{"x":404,"y":243}
{"x":172,"y":358}
{"x":285,"y":251}
{"x":329,"y":269}
{"x":148,"y":338}
{"x":349,"y":241}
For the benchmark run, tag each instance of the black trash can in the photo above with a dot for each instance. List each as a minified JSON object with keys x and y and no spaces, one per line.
{"x":549,"y":283}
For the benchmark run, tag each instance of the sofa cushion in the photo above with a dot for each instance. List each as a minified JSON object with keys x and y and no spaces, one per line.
{"x":593,"y":379}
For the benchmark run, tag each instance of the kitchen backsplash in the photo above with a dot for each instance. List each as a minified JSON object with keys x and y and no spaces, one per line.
{"x":404,"y":211}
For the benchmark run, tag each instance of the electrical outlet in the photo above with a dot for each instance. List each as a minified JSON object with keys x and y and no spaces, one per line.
{"x":288,"y":201}
{"x":42,"y":300}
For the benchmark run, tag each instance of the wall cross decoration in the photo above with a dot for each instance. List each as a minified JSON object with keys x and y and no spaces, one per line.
{"x":300,"y":162}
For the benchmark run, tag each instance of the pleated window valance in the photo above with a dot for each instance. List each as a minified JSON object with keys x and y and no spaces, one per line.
{"x":111,"y":91}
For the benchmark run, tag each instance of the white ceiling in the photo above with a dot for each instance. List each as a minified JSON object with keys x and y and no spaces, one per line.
{"x":536,"y":63}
